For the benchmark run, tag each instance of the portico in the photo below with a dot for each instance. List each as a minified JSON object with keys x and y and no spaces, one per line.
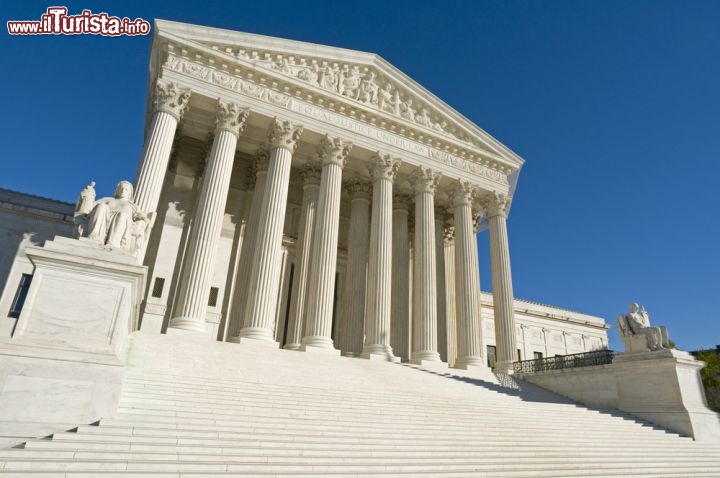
{"x":306,"y":197}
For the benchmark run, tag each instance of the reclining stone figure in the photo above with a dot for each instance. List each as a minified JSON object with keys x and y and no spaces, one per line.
{"x":113,"y":221}
{"x":638,"y":335}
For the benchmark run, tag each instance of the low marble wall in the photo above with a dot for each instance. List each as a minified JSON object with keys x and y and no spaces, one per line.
{"x":662,"y":387}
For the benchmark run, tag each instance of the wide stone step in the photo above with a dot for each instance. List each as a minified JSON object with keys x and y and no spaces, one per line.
{"x":255,"y":415}
{"x":369,"y":457}
{"x":262,"y":440}
{"x":319,"y":433}
{"x":310,"y":426}
{"x":232,"y":447}
{"x":380,"y":466}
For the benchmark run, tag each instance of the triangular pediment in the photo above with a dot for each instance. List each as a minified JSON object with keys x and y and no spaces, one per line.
{"x":363,"y":80}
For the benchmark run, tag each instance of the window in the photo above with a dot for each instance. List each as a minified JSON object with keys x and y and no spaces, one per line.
{"x":158,"y":287}
{"x":519,"y":355}
{"x":212,"y":300}
{"x":20,"y":296}
{"x":491,"y":356}
{"x":537,"y":355}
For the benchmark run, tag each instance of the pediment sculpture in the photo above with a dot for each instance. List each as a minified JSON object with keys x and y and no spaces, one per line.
{"x":112,"y":221}
{"x":638,"y":335}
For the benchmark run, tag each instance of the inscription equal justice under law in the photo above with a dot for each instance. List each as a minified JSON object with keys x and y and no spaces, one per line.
{"x":395,"y":140}
{"x":245,"y":87}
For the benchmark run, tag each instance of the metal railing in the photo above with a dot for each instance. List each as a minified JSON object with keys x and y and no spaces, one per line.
{"x":559,"y":362}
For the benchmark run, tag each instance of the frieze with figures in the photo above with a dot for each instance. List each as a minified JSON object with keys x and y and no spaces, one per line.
{"x":235,"y":83}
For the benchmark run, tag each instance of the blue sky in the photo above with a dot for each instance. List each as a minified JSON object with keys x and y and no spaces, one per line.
{"x":615,"y":106}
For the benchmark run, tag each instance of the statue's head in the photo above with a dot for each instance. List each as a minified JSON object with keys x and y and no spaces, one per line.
{"x":634,"y":307}
{"x":124,"y":190}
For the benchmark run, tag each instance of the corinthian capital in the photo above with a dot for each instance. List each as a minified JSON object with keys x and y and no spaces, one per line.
{"x":462,"y":193}
{"x":231,"y":117}
{"x":262,"y":159}
{"x":284,"y":134}
{"x":383,"y":166}
{"x":171,"y":99}
{"x":333,"y":151}
{"x":358,"y":188}
{"x":426,"y":180}
{"x":402,"y":201}
{"x":311,"y":175}
{"x":496,"y":204}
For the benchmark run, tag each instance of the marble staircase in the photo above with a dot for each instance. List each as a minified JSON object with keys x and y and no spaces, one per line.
{"x":196,"y":409}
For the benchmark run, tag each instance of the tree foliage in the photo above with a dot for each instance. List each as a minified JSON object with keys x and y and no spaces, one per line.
{"x":711,"y":377}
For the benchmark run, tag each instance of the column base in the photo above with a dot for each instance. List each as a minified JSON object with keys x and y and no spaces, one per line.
{"x":470,"y":362}
{"x":186,"y":324}
{"x":267,"y":344}
{"x":256,"y":333}
{"x":379,"y":352}
{"x":319,"y":350}
{"x":425,"y":355}
{"x":435,"y":365}
{"x":292,"y":346}
{"x":318,"y":341}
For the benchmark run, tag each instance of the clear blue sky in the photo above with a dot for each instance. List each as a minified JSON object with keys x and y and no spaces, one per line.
{"x":615,"y":106}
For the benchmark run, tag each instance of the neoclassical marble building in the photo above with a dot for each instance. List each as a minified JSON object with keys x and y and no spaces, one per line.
{"x":319,"y":198}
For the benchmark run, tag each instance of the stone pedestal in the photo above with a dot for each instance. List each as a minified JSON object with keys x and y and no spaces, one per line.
{"x":664,"y":387}
{"x":63,"y":365}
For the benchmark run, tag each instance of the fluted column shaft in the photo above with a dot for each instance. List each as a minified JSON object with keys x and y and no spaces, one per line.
{"x":441,"y":291}
{"x":424,"y":270}
{"x":379,"y":290}
{"x":400,"y":309}
{"x":298,"y":296}
{"x":170,"y":104}
{"x":247,"y":252}
{"x":497,"y":206}
{"x":205,"y":233}
{"x":318,"y":321}
{"x":467,"y":282}
{"x":351,"y":329}
{"x":259,"y":320}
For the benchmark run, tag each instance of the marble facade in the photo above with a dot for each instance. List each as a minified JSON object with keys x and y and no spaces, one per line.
{"x":318,"y":199}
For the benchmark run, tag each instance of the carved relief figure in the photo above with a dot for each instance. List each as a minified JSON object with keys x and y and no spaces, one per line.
{"x":385,"y":98}
{"x":369,"y":89}
{"x":328,"y":78}
{"x":350,"y":82}
{"x":406,"y":110}
{"x":636,"y":324}
{"x":423,"y":118}
{"x":116,"y":221}
{"x":309,"y":74}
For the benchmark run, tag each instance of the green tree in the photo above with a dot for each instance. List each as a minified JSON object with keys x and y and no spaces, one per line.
{"x":711,"y":377}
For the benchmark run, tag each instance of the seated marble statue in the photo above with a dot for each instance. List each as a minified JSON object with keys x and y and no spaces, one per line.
{"x":638,"y":335}
{"x":115,"y":221}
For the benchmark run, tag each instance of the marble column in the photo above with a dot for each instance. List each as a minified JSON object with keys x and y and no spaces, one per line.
{"x":247,"y":251}
{"x":306,"y":226}
{"x":205,"y":233}
{"x":424,"y":348}
{"x":450,"y":314}
{"x":259,"y":319}
{"x":379,"y":282}
{"x":442,"y":326}
{"x":333,"y":153}
{"x":496,"y":206}
{"x":400,"y":309}
{"x":170,"y":103}
{"x":351,"y":328}
{"x":467,"y":281}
